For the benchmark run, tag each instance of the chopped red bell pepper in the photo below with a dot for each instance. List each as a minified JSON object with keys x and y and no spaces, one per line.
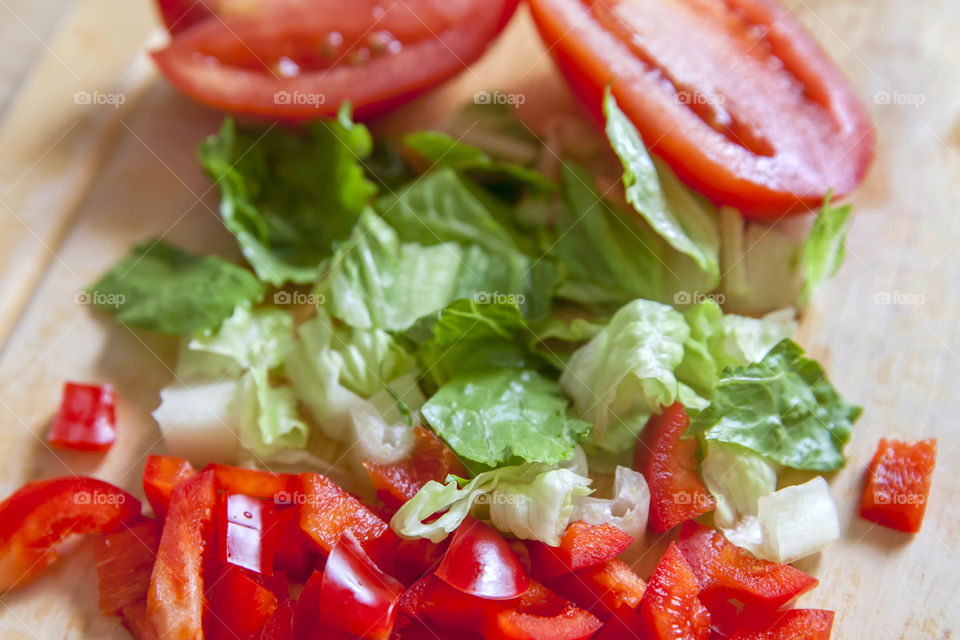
{"x":540,"y":614}
{"x":898,"y":484}
{"x":133,"y":618}
{"x":602,"y":590}
{"x":176,"y":596}
{"x":160,"y":475}
{"x":420,"y":631}
{"x":583,"y":545}
{"x":796,"y":624}
{"x":451,"y":609}
{"x":356,"y":596}
{"x":41,"y":514}
{"x":87,"y":419}
{"x":295,"y":552}
{"x":248,"y":532}
{"x":411,"y":600}
{"x":429,"y":460}
{"x":280,"y":624}
{"x":480,"y":562}
{"x":306,"y":613}
{"x":670,"y":466}
{"x":266,"y":485}
{"x":670,"y":608}
{"x":725,"y":571}
{"x":124,"y":562}
{"x":415,"y":558}
{"x":624,"y":624}
{"x":238,"y":606}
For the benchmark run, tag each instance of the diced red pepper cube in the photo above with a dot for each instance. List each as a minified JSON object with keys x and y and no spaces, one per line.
{"x":540,"y":614}
{"x":583,"y":545}
{"x":898,"y":484}
{"x":160,"y":475}
{"x":248,"y":532}
{"x":280,"y":624}
{"x":670,"y":608}
{"x":295,"y":552}
{"x":796,"y":624}
{"x":87,"y":418}
{"x":602,"y":590}
{"x":239,"y":607}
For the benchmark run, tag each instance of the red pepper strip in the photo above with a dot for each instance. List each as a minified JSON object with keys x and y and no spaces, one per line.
{"x":796,"y":624}
{"x":134,"y":618}
{"x":87,"y":419}
{"x":266,"y":485}
{"x":248,"y":532}
{"x":280,"y":624}
{"x":160,"y":475}
{"x":124,"y":562}
{"x":175,"y":599}
{"x":239,"y":607}
{"x":670,"y":466}
{"x":41,"y":514}
{"x":583,"y":545}
{"x":898,"y":484}
{"x":725,"y":571}
{"x":670,"y":608}
{"x":602,"y":590}
{"x":430,"y":459}
{"x":540,"y":614}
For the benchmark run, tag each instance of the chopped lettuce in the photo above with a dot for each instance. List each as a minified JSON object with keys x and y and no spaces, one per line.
{"x":287,"y":197}
{"x":737,"y":478}
{"x":782,"y":408}
{"x":200,"y":421}
{"x":824,"y":249}
{"x":251,"y":338}
{"x":538,"y":510}
{"x":161,"y":288}
{"x":270,"y":421}
{"x":626,"y":510}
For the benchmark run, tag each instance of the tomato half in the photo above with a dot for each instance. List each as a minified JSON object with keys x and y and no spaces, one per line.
{"x":735,"y":95}
{"x":296,"y":60}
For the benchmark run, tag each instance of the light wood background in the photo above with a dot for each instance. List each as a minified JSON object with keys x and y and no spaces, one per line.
{"x":80,"y":183}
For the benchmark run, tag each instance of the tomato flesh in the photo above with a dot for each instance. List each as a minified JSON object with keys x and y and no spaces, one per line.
{"x":541,"y":615}
{"x":898,"y":485}
{"x":480,"y":562}
{"x":86,"y":420}
{"x":735,"y":95}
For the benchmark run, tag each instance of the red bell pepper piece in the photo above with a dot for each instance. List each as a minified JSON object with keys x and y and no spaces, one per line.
{"x":670,"y":466}
{"x":898,"y":484}
{"x":429,"y":460}
{"x":134,"y":618}
{"x":670,"y":608}
{"x":294,"y":553}
{"x":540,"y":614}
{"x":248,"y":532}
{"x":725,"y":571}
{"x":796,"y":624}
{"x":124,"y":562}
{"x":307,"y":622}
{"x":160,"y":475}
{"x":266,"y":485}
{"x":86,"y":420}
{"x":480,"y":562}
{"x":602,"y":590}
{"x":239,"y":607}
{"x":451,"y":609}
{"x":41,"y":514}
{"x":583,"y":545}
{"x":280,"y":624}
{"x":415,"y":558}
{"x":176,"y":595}
{"x":327,"y":512}
{"x":356,"y":596}
{"x":411,"y":600}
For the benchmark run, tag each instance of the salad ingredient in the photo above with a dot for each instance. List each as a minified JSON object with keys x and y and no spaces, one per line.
{"x":124,"y":562}
{"x":809,"y":624}
{"x":237,"y":606}
{"x":295,"y":62}
{"x":898,"y":484}
{"x":356,"y":596}
{"x":771,"y":136}
{"x":160,"y":475}
{"x":825,"y":247}
{"x":280,"y":624}
{"x":670,"y":466}
{"x":86,"y":420}
{"x":248,"y":533}
{"x":199,"y":421}
{"x":161,"y":288}
{"x":254,"y":483}
{"x":38,"y":516}
{"x":802,"y":423}
{"x":737,"y":478}
{"x":670,"y":608}
{"x":541,"y":509}
{"x":582,"y":546}
{"x":603,"y":590}
{"x":541,"y":615}
{"x":627,"y":510}
{"x":479,"y":562}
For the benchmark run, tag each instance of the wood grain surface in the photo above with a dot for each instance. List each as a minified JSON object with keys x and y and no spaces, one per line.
{"x":80,"y":183}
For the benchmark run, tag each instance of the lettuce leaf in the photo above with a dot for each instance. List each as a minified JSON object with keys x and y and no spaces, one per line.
{"x":626,"y":510}
{"x":737,"y":478}
{"x":824,"y":249}
{"x":538,"y":510}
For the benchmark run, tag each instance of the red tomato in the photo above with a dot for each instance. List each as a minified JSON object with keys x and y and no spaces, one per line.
{"x":41,"y":514}
{"x":603,"y":590}
{"x":480,"y":562}
{"x":295,"y":60}
{"x":726,"y":571}
{"x":124,"y":562}
{"x":735,"y":95}
{"x":670,"y":608}
{"x":899,"y":484}
{"x":160,"y":475}
{"x":670,"y":466}
{"x":248,"y":532}
{"x":430,"y":460}
{"x":239,"y":607}
{"x":356,"y":596}
{"x":796,"y":624}
{"x":87,"y":419}
{"x":583,"y":545}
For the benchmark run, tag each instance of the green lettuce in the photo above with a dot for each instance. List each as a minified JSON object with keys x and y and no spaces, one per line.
{"x":824,"y":249}
{"x":737,"y":478}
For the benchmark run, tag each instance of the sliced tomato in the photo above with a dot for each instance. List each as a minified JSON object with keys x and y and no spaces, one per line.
{"x":602,"y":590}
{"x":295,"y":60}
{"x":41,"y":514}
{"x":898,"y":484}
{"x":670,"y":608}
{"x":583,"y":546}
{"x":429,"y":460}
{"x":670,"y":466}
{"x":540,"y":614}
{"x":735,"y":95}
{"x":124,"y":562}
{"x":86,"y":420}
{"x":480,"y":562}
{"x":796,"y":624}
{"x":160,"y":475}
{"x":239,"y":607}
{"x":725,"y":571}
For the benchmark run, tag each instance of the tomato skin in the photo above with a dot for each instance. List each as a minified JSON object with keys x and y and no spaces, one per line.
{"x":726,"y":571}
{"x":796,"y":624}
{"x":237,"y":62}
{"x":603,"y":590}
{"x":670,"y":608}
{"x":583,"y":546}
{"x":480,"y":562}
{"x":86,"y":420}
{"x":160,"y":475}
{"x":771,"y":135}
{"x":40,"y":514}
{"x":669,"y":465}
{"x":124,"y":562}
{"x":898,"y":484}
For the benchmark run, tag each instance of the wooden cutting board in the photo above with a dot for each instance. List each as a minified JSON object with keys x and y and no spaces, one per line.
{"x":98,"y":154}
